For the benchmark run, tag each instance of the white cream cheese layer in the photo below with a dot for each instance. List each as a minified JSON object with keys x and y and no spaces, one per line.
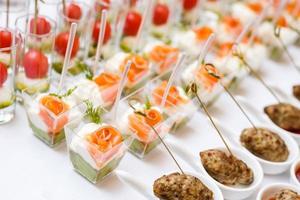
{"x":242,"y":12}
{"x":113,"y":64}
{"x":87,"y":90}
{"x":187,"y":41}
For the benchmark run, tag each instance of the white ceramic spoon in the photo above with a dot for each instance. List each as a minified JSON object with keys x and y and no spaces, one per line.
{"x":261,"y":117}
{"x":268,"y":166}
{"x":232,"y":193}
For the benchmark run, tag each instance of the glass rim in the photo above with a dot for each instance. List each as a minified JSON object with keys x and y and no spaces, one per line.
{"x":61,"y":14}
{"x":27,"y":33}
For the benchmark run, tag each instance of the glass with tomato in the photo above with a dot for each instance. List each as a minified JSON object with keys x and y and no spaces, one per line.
{"x":48,"y":113}
{"x":95,"y":145}
{"x":189,"y":11}
{"x":131,"y":26}
{"x":160,"y":19}
{"x":9,"y":42}
{"x":141,"y":122}
{"x":75,"y":12}
{"x":34,"y":66}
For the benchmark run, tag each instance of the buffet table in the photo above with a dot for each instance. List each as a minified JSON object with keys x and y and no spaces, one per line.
{"x":32,"y":170}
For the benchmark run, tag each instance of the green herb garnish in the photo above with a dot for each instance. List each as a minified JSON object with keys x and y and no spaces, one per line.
{"x":93,"y":113}
{"x":148,"y":103}
{"x":68,"y":93}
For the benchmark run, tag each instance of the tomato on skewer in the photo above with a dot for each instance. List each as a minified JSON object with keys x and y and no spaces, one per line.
{"x":35,"y":64}
{"x":132,"y":23}
{"x":189,"y":4}
{"x":61,"y":43}
{"x":5,"y":39}
{"x":160,"y":14}
{"x":42,"y":26}
{"x":96,"y":31}
{"x":73,"y":11}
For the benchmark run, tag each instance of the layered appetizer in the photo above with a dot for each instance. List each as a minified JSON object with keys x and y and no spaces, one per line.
{"x":284,"y":115}
{"x":95,"y":147}
{"x":207,"y":77}
{"x":143,"y":123}
{"x":181,"y":186}
{"x":48,"y":113}
{"x":139,"y":72}
{"x":226,"y":169}
{"x":264,"y":144}
{"x":191,"y":41}
{"x":101,"y":89}
{"x":162,"y":56}
{"x":177,"y":104}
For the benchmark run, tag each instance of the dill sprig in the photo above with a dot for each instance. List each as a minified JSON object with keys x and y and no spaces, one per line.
{"x":68,"y":93}
{"x":148,"y":104}
{"x":93,"y":113}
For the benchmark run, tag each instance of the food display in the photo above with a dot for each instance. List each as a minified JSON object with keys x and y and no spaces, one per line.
{"x":265,"y":144}
{"x":95,"y":146}
{"x":226,"y":169}
{"x":181,"y":186}
{"x":132,"y":87}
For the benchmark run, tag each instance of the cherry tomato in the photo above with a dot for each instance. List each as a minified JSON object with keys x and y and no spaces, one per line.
{"x":42,"y":26}
{"x":189,"y":4}
{"x":35,"y":64}
{"x":61,"y":43}
{"x":5,"y":39}
{"x":101,"y":5}
{"x":132,"y":23}
{"x":96,"y":31}
{"x":73,"y":11}
{"x":298,"y":174}
{"x":3,"y":73}
{"x":160,"y":14}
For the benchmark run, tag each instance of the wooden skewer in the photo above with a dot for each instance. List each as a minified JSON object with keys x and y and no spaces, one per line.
{"x":238,"y":54}
{"x":194,"y":89}
{"x":7,"y":12}
{"x":284,"y":47}
{"x":160,"y":138}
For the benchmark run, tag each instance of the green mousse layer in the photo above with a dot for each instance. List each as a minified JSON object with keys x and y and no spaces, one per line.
{"x":47,"y":137}
{"x":140,"y":149}
{"x":90,"y":173}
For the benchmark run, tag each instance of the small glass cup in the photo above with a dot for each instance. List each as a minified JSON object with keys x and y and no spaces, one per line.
{"x":143,"y":139}
{"x":36,"y":54}
{"x":209,"y":85}
{"x":17,"y":8}
{"x":48,"y":113}
{"x":94,"y":160}
{"x":79,"y":45}
{"x":178,"y":104}
{"x":8,"y":61}
{"x":101,"y":89}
